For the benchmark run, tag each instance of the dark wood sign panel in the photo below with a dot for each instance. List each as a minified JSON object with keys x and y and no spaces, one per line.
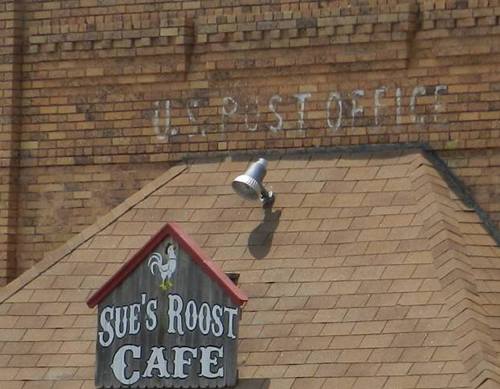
{"x":168,"y":324}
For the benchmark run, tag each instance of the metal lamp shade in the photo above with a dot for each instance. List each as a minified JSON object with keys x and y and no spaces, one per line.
{"x":246,"y":187}
{"x":249,"y":185}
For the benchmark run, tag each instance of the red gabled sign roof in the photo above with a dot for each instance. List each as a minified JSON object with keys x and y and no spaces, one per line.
{"x":190,"y":247}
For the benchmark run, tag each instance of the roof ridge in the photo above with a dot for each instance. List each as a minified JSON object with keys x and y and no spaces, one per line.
{"x":52,"y":257}
{"x":338,"y":150}
{"x":446,"y":244}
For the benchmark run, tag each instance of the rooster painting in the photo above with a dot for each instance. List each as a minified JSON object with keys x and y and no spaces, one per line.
{"x":166,"y":269}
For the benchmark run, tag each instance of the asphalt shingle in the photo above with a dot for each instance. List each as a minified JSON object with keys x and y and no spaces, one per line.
{"x":368,"y":273}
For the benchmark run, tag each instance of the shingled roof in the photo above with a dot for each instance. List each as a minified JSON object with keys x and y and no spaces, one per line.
{"x":369,"y":272}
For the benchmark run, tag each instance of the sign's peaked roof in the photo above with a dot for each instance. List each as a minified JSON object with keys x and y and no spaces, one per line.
{"x":189,"y":246}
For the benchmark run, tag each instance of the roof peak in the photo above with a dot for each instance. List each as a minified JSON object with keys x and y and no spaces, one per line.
{"x":189,"y":246}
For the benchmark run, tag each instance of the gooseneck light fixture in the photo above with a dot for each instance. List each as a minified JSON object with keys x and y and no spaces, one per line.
{"x":250,"y":186}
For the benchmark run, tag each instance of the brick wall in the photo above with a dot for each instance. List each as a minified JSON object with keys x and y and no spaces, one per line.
{"x":479,"y":170}
{"x":10,"y":101}
{"x":58,"y":202}
{"x":118,"y":85}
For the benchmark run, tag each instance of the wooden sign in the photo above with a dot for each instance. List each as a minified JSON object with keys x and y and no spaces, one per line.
{"x":169,"y":318}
